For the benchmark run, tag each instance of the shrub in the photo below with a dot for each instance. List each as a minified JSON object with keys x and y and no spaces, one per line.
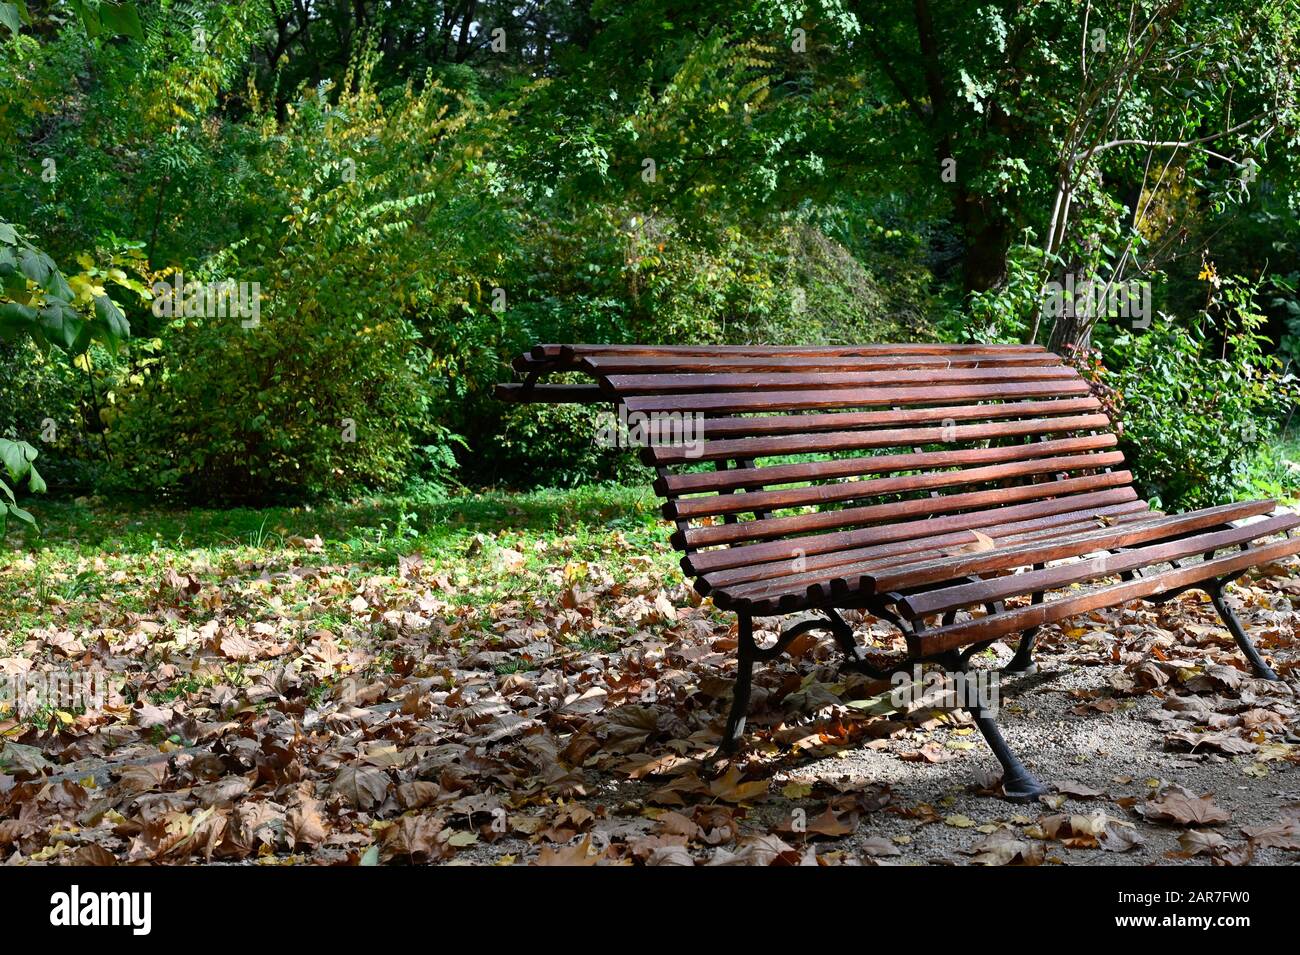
{"x":1195,"y":420}
{"x":329,"y":393}
{"x":553,"y":446}
{"x":313,"y":402}
{"x":17,"y":463}
{"x":42,"y":401}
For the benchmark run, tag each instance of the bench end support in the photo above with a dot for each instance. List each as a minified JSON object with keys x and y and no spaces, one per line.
{"x":745,"y":656}
{"x":1257,"y":664}
{"x":1023,"y":661}
{"x":1018,"y":783}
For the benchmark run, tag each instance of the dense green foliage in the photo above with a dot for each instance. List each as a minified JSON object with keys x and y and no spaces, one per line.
{"x":1194,"y":418}
{"x":412,"y":193}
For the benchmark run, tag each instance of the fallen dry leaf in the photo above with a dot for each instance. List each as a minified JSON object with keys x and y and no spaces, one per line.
{"x":1179,"y":806}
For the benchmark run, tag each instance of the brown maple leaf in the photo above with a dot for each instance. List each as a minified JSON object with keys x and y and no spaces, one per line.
{"x":1179,"y":806}
{"x":420,"y":838}
{"x":1118,"y":838}
{"x":1197,"y":842}
{"x":576,"y":854}
{"x":1005,"y":847}
{"x":729,"y":787}
{"x":361,"y":786}
{"x":303,"y":824}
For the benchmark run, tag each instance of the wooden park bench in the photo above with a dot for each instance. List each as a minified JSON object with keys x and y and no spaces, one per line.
{"x":963,"y":493}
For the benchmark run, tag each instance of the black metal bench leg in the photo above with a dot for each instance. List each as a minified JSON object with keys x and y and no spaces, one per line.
{"x":843,"y":635}
{"x":1248,"y":650}
{"x":1023,"y":661}
{"x":745,"y":656}
{"x":1018,"y":783}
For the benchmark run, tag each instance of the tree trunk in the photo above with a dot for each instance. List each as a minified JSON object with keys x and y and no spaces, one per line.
{"x":1070,"y":333}
{"x":987,"y":240}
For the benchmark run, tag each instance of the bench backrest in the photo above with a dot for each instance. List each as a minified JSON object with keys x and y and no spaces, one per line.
{"x":818,"y":451}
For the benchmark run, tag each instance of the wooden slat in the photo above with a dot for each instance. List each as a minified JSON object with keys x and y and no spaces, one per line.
{"x":954,"y":568}
{"x":814,"y":586}
{"x":1111,"y":565}
{"x":732,"y":402}
{"x":805,"y":423}
{"x":757,"y":477}
{"x":710,"y":561}
{"x":658,"y":364}
{"x":990,"y":627}
{"x":822,"y":494}
{"x":527,"y":364}
{"x":917,"y":538}
{"x":576,"y":350}
{"x":691,"y":384}
{"x":894,"y":511}
{"x":836,"y":441}
{"x":550,"y":394}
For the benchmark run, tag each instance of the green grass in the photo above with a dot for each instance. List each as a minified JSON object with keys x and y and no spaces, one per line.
{"x":372,"y":527}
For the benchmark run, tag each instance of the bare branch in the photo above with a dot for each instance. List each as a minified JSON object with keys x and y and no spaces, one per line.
{"x":1168,"y":144}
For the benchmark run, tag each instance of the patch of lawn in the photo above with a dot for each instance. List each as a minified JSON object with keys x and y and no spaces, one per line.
{"x":379,"y":524}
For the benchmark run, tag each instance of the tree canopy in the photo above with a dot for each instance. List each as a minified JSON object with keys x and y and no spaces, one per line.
{"x":417,"y":191}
